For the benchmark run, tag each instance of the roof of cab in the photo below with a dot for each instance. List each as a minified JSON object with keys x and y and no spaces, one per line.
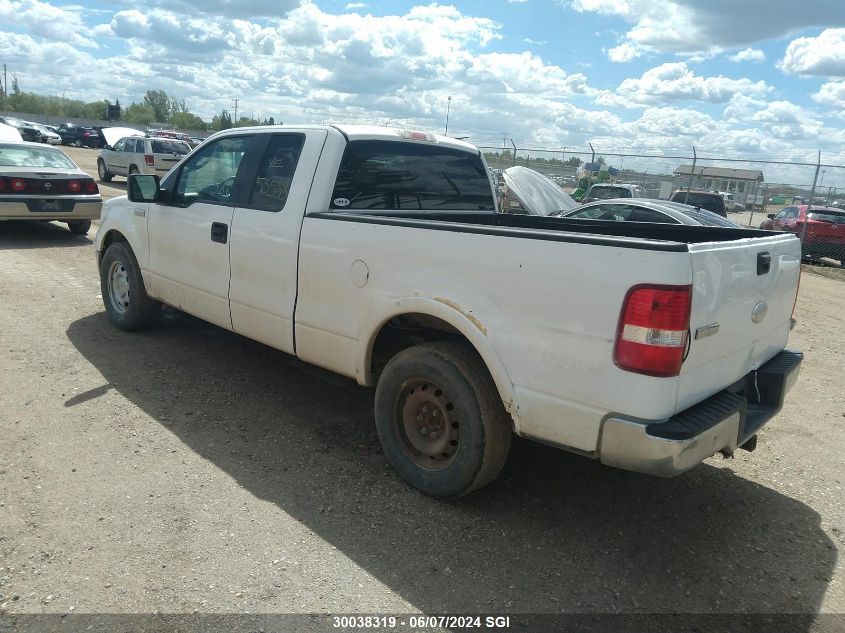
{"x":363,"y":133}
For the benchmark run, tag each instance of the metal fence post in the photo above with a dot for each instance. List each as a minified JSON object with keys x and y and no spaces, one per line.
{"x":692,"y":171}
{"x":812,"y":193}
{"x":514,"y":152}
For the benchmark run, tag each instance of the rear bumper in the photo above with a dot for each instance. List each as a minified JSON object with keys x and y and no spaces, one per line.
{"x":722,"y":422}
{"x":84,"y":208}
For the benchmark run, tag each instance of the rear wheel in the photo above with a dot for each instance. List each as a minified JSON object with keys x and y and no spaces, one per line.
{"x":79,"y":227}
{"x":132,"y":170}
{"x":127,"y":304}
{"x":102,"y":172}
{"x":440,"y":419}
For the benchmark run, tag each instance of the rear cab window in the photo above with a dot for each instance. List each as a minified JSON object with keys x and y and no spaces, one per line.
{"x":408,"y":176}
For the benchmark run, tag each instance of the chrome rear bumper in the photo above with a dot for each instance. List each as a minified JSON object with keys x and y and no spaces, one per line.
{"x":722,"y":422}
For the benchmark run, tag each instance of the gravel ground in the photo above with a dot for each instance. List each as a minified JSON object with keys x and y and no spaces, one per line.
{"x":186,"y":468}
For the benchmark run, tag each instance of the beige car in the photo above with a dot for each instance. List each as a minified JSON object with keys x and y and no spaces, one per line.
{"x":140,"y":155}
{"x":39,"y":182}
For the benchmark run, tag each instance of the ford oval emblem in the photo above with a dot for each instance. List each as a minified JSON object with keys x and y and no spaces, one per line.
{"x":758,"y":313}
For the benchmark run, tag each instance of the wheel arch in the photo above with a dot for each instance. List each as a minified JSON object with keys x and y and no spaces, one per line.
{"x":414,"y":321}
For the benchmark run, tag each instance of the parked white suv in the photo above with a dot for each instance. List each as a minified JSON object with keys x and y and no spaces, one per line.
{"x":140,"y":155}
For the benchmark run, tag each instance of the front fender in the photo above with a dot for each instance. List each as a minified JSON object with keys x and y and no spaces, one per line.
{"x":129,"y":219}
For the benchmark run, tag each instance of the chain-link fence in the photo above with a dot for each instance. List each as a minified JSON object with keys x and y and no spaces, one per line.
{"x":807,"y":199}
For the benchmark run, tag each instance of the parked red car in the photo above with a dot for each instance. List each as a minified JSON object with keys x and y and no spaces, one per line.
{"x":822,"y":229}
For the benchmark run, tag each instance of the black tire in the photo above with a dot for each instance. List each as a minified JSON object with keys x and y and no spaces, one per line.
{"x":475,"y":411}
{"x":132,"y":170}
{"x":135,"y":310}
{"x":79,"y":227}
{"x":102,"y":172}
{"x":77,"y":143}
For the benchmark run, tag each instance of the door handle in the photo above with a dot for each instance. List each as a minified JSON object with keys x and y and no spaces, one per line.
{"x":219,"y":232}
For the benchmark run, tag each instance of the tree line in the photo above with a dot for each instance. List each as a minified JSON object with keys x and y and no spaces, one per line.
{"x":156,"y":107}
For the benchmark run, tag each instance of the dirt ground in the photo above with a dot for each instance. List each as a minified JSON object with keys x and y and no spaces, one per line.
{"x":186,"y":469}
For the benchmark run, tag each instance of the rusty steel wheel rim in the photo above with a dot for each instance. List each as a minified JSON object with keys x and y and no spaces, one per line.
{"x":428,"y":426}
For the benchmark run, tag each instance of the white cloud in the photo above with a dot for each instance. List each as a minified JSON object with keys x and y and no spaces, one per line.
{"x":625,"y":52}
{"x":356,"y":5}
{"x":47,"y":21}
{"x":832,"y":94}
{"x":823,"y":55}
{"x":749,"y":55}
{"x":677,"y":82}
{"x":528,"y":40}
{"x":693,"y":26}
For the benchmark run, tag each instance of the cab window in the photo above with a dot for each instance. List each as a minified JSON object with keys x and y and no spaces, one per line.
{"x":209,"y":175}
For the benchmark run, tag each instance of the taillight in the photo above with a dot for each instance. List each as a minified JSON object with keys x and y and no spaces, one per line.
{"x":74,"y":186}
{"x":150,"y":160}
{"x":3,"y":184}
{"x":91,"y":187}
{"x":653,"y":330}
{"x":17,"y":184}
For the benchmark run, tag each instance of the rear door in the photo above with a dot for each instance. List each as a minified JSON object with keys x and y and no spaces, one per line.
{"x":265,"y":235}
{"x":743,"y":295}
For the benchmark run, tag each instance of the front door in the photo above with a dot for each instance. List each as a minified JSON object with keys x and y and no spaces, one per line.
{"x":189,"y":236}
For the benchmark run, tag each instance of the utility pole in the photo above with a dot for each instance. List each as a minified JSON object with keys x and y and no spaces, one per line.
{"x":448,"y":107}
{"x":5,"y":89}
{"x":235,"y":121}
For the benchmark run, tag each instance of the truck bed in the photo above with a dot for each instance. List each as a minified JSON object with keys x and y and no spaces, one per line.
{"x":642,"y":235}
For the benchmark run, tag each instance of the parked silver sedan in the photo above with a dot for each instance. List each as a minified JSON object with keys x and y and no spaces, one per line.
{"x":646,"y":210}
{"x":38,"y":182}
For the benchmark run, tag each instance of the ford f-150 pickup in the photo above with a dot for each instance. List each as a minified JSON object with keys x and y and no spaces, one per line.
{"x":379,"y":254}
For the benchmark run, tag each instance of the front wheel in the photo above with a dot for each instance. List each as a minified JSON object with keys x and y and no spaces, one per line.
{"x":102,"y":172}
{"x":79,"y":227}
{"x":440,"y":419}
{"x":127,"y":304}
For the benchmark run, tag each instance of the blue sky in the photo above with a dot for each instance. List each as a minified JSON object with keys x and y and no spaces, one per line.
{"x":761,"y":78}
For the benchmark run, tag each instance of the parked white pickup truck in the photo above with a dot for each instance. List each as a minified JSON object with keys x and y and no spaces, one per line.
{"x":379,"y":254}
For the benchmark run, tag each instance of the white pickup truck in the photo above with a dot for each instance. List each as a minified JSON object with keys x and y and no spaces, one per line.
{"x":379,"y":254}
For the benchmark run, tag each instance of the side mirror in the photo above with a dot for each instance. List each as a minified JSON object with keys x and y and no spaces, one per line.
{"x":142,"y":188}
{"x":107,"y":146}
{"x":771,"y":216}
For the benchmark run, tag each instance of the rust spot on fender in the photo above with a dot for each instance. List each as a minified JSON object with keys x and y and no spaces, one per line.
{"x":469,"y":315}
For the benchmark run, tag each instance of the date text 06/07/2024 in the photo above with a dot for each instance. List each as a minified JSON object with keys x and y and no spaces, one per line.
{"x":420,"y":621}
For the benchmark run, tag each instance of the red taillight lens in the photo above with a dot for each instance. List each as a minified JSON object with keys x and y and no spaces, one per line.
{"x":17,"y":184}
{"x":74,"y":186}
{"x":654,"y":330}
{"x":150,"y":160}
{"x":91,"y":187}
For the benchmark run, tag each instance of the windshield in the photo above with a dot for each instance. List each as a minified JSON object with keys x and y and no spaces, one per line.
{"x":167,"y":146}
{"x":27,"y":156}
{"x":606,"y":193}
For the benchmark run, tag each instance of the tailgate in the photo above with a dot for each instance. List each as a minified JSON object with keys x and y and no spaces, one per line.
{"x":743,"y":295}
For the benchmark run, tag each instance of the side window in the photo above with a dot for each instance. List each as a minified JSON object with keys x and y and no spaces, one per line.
{"x":394,"y":175}
{"x":787,"y":213}
{"x":118,"y":147}
{"x":275,"y":172}
{"x":210,"y":174}
{"x":794,"y":212}
{"x":642,"y":214}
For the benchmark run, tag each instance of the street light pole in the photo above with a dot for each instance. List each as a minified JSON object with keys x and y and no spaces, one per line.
{"x":448,"y":108}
